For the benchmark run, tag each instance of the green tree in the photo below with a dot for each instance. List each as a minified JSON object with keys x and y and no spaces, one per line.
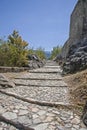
{"x":18,"y":49}
{"x":3,"y":52}
{"x":14,"y":51}
{"x":16,"y":40}
{"x":31,"y":51}
{"x":56,"y":50}
{"x":40,"y":53}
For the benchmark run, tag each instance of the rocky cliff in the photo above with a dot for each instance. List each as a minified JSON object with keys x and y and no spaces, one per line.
{"x":74,"y":51}
{"x":78,"y":26}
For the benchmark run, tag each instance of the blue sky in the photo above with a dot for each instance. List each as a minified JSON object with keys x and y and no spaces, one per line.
{"x":42,"y":23}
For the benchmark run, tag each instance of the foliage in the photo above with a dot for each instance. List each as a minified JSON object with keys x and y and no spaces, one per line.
{"x":56,"y":50}
{"x":13,"y":52}
{"x":31,"y":51}
{"x":3,"y":53}
{"x":39,"y":52}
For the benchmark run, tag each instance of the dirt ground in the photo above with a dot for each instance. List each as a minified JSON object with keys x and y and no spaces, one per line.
{"x":77,"y":84}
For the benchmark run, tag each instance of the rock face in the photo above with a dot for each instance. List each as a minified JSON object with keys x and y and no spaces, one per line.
{"x":74,"y":52}
{"x":78,"y":26}
{"x":76,"y":58}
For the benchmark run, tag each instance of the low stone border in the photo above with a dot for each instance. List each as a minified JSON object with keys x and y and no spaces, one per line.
{"x":12,"y":69}
{"x":31,"y":65}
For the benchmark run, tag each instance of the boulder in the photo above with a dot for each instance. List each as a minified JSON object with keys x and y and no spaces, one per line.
{"x":5,"y":82}
{"x":34,"y":62}
{"x":33,"y":57}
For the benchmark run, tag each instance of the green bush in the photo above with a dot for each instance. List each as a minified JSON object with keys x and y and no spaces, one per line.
{"x":39,"y":52}
{"x":3,"y":53}
{"x":56,"y":50}
{"x":14,"y":51}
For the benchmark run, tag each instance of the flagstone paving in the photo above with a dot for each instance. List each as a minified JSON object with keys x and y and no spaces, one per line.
{"x":28,"y":107}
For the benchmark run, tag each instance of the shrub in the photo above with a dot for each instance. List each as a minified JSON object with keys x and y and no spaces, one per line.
{"x":13,"y":52}
{"x":56,"y":50}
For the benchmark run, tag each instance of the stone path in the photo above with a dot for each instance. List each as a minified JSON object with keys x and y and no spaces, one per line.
{"x":30,"y":105}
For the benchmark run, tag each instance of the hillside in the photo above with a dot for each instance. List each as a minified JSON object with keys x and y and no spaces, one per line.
{"x":78,"y":87}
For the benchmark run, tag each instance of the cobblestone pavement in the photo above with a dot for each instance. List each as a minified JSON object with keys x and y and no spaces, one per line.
{"x":17,"y":112}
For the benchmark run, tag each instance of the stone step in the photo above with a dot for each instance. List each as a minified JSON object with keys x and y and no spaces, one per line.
{"x":31,"y":116}
{"x":46,"y":70}
{"x":51,"y":63}
{"x":54,"y":67}
{"x":40,"y":76}
{"x":40,"y":83}
{"x":58,"y":104}
{"x":38,"y":101}
{"x":48,"y":94}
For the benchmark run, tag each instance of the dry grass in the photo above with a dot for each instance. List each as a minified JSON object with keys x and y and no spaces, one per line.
{"x":78,"y":87}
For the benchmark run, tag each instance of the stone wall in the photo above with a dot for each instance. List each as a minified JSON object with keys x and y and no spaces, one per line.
{"x":78,"y":26}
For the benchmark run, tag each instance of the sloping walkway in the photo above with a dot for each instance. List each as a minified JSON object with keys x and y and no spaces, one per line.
{"x":39,"y":101}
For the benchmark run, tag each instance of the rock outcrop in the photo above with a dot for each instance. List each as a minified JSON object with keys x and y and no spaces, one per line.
{"x":74,"y":52}
{"x":78,"y":26}
{"x":34,"y":62}
{"x":76,"y":58}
